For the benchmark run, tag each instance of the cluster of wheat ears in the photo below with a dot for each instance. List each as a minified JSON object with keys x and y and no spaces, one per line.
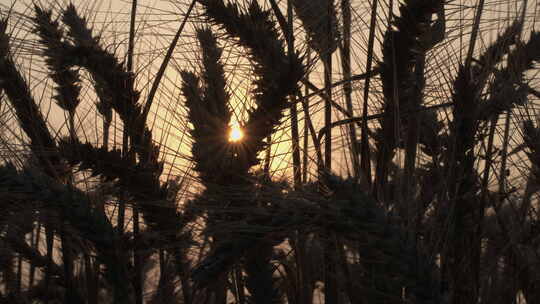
{"x":410,"y":173}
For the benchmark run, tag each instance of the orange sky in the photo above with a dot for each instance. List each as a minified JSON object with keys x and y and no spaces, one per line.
{"x":157,"y":21}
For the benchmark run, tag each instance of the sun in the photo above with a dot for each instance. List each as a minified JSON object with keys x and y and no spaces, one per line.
{"x":236,"y":133}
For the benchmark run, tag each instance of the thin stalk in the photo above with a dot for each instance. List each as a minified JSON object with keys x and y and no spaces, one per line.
{"x":267,"y":156}
{"x":123,"y":195}
{"x":187,"y":291}
{"x":70,"y":295}
{"x":397,"y":124}
{"x":365,"y":158}
{"x":127,"y":124}
{"x":331,"y":293}
{"x":297,"y":173}
{"x":316,"y":141}
{"x":9,"y":277}
{"x":92,"y":289}
{"x":165,"y":63}
{"x":34,"y":239}
{"x":72,"y":132}
{"x":321,"y":92}
{"x":484,"y":192}
{"x":489,"y":161}
{"x":504,"y":158}
{"x":474,"y":32}
{"x":327,"y":61}
{"x":137,"y":262}
{"x":106,"y":130}
{"x":304,"y":291}
{"x":347,"y":87}
{"x":284,"y":26}
{"x":504,"y":148}
{"x":331,"y":286}
{"x":49,"y":236}
{"x":413,"y":136}
{"x":120,"y":221}
{"x":131,"y":44}
{"x":67,"y":257}
{"x":306,"y":130}
{"x":18,"y":283}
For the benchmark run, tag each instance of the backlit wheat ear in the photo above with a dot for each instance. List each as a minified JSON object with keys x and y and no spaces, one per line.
{"x":28,"y":113}
{"x":216,"y":97}
{"x":65,"y":78}
{"x":82,"y":36}
{"x":78,"y":28}
{"x":466,"y":208}
{"x":111,"y":77}
{"x":402,"y":77}
{"x":208,"y":104}
{"x":507,"y":89}
{"x":115,"y":83}
{"x":207,"y":148}
{"x":115,"y":86}
{"x":277,"y":72}
{"x":319,"y":19}
{"x":461,"y":158}
{"x":401,"y":46}
{"x":501,"y":46}
{"x":465,"y":121}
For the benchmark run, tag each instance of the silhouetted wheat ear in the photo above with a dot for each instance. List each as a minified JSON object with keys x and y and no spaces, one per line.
{"x":140,"y":176}
{"x":319,"y":19}
{"x":80,"y":34}
{"x":209,"y":113}
{"x":400,"y":49}
{"x":494,"y":52}
{"x":277,"y":76}
{"x":114,"y":84}
{"x":66,"y":79}
{"x":402,"y":76}
{"x":507,"y":89}
{"x":278,"y":73}
{"x":216,"y":97}
{"x":28,"y":113}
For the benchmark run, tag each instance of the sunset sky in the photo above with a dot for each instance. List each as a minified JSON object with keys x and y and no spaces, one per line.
{"x":158,"y":21}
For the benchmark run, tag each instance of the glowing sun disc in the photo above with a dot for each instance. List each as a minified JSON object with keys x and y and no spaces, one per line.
{"x":236,"y":133}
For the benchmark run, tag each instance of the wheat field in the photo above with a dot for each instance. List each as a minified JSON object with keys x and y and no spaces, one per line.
{"x":385,"y":151}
